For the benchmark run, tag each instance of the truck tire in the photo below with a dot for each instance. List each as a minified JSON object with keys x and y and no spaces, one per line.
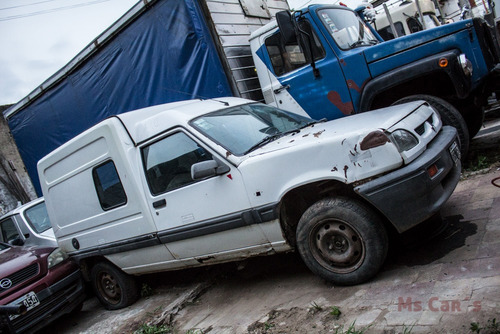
{"x":449,"y":115}
{"x":113,"y":288}
{"x":342,"y":240}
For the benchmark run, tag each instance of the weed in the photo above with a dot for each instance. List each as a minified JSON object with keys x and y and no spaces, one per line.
{"x":492,"y":327}
{"x":148,"y":329}
{"x":407,"y":330}
{"x":146,"y":290}
{"x":351,"y":330}
{"x":335,"y":311}
{"x":315,"y":307}
{"x":268,"y":326}
{"x":194,"y":331}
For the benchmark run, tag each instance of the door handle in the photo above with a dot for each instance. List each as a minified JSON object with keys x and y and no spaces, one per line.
{"x":160,"y":204}
{"x":280,"y":89}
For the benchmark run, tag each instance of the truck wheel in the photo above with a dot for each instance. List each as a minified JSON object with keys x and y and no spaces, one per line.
{"x":449,"y":115}
{"x":113,"y":288}
{"x":342,"y":240}
{"x":474,"y":117}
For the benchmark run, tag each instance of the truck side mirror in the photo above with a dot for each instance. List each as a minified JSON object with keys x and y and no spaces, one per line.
{"x":287,"y":26}
{"x":208,"y":168}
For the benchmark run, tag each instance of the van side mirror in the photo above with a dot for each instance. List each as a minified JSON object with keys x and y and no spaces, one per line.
{"x":287,"y":26}
{"x":208,"y":168}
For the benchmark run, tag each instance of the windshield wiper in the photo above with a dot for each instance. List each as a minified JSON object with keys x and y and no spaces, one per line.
{"x":271,"y":138}
{"x":363,"y":43}
{"x":313,"y":122}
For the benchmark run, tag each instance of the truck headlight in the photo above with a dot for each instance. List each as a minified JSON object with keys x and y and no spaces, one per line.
{"x":466,"y":65}
{"x":56,"y":257}
{"x":404,"y":140}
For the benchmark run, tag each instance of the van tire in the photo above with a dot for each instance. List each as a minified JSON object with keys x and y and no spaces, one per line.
{"x":449,"y":115}
{"x":342,"y":240}
{"x":113,"y":288}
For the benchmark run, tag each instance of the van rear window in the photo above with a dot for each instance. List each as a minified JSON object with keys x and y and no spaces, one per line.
{"x":108,"y":186}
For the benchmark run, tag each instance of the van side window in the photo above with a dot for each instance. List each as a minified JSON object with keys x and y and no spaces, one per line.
{"x":286,"y":58}
{"x":108,"y":186}
{"x":9,"y":230}
{"x":168,"y":162}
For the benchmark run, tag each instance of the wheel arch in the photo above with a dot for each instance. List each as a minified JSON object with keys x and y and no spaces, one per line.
{"x":297,"y":200}
{"x":424,"y":76}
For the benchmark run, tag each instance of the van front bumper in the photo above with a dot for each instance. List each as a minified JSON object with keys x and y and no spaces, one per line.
{"x":409,"y":195}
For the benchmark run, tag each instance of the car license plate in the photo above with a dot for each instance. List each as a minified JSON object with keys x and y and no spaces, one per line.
{"x":455,"y":152}
{"x":30,"y":300}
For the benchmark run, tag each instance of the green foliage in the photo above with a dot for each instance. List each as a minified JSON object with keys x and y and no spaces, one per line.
{"x":492,"y":327}
{"x":351,"y":330}
{"x":148,"y":329}
{"x":335,"y":311}
{"x":315,"y":307}
{"x":146,"y":290}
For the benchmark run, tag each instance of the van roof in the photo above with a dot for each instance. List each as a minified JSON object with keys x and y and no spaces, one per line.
{"x":142,"y":124}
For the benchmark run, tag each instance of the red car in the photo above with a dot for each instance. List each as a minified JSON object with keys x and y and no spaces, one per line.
{"x":43,"y":280}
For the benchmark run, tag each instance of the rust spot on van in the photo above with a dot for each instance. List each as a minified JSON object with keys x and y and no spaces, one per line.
{"x":334,"y":169}
{"x":317,"y":134}
{"x":228,"y":154}
{"x":374,"y":139}
{"x":345,"y":171}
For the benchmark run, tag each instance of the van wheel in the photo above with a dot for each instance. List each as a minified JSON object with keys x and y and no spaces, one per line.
{"x":342,"y":240}
{"x":449,"y":115}
{"x":113,"y":288}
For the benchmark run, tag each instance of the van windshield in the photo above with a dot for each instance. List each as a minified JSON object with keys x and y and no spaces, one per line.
{"x":346,"y":28}
{"x":244,"y":128}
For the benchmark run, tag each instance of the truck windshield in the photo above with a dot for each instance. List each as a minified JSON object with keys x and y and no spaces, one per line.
{"x":243,"y":128}
{"x":346,"y":28}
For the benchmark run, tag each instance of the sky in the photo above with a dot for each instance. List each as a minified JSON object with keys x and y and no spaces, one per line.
{"x":39,"y":37}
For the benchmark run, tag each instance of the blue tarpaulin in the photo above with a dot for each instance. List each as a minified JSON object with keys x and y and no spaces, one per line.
{"x":167,"y":54}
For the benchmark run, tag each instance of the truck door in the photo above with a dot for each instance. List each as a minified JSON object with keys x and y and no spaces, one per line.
{"x":293,"y":81}
{"x":196,"y":219}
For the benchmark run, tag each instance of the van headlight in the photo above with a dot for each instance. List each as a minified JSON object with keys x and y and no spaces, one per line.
{"x":56,"y":257}
{"x":404,"y":140}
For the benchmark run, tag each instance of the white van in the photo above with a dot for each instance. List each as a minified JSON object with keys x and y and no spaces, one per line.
{"x":200,"y":182}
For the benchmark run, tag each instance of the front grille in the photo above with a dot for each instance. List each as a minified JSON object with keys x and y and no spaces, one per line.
{"x":22,"y":275}
{"x":421,"y":128}
{"x":47,"y":308}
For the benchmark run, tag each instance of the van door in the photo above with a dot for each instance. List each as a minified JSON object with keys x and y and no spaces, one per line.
{"x":322,"y":96}
{"x":197,"y":219}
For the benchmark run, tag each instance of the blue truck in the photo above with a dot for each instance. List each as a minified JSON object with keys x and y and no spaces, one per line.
{"x":323,"y":61}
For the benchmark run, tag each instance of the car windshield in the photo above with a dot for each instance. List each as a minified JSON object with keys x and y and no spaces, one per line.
{"x":346,"y":28}
{"x":244,"y":128}
{"x":38,"y":218}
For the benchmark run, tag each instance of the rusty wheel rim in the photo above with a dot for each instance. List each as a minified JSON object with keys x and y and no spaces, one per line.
{"x":337,"y":246}
{"x":109,"y":288}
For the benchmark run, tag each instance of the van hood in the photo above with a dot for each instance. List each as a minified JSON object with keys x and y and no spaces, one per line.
{"x":355,"y":126}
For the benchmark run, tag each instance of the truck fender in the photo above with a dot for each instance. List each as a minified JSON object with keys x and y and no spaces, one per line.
{"x":417,"y":69}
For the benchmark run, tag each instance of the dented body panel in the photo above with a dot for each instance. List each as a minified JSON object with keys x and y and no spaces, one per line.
{"x":201,"y":182}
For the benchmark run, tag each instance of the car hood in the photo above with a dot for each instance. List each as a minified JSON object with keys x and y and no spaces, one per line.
{"x":15,"y":258}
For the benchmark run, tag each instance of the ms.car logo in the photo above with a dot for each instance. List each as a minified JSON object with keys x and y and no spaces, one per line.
{"x":5,"y":283}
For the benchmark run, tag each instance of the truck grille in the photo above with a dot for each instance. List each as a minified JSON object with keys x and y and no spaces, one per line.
{"x":22,"y":275}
